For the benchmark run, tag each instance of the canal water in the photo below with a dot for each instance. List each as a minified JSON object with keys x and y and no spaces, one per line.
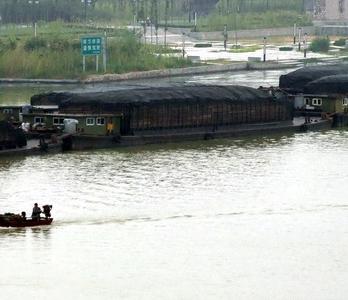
{"x":250,"y":218}
{"x":20,"y":93}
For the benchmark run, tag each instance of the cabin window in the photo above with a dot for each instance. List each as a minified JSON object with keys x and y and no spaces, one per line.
{"x":8,"y":111}
{"x":100,"y":121}
{"x":58,"y":121}
{"x":317,"y":101}
{"x":90,"y":121}
{"x":39,"y":120}
{"x":307,"y":101}
{"x":345,"y":102}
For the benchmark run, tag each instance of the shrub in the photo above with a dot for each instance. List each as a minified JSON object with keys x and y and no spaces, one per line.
{"x":9,"y":44}
{"x":203,"y":45}
{"x":34,"y":43}
{"x":320,"y":45}
{"x":340,"y":42}
{"x":59,"y":45}
{"x":286,"y":48}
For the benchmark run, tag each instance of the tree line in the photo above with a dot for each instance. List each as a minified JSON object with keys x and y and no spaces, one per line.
{"x":25,"y":11}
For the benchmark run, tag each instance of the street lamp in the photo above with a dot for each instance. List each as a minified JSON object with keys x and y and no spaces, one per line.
{"x":305,"y":45}
{"x":86,"y":3}
{"x":225,"y":34}
{"x":235,"y":25}
{"x":183,"y":44}
{"x":264,"y":48}
{"x":32,"y":3}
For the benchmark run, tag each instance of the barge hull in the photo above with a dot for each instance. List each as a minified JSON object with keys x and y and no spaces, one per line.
{"x":80,"y":142}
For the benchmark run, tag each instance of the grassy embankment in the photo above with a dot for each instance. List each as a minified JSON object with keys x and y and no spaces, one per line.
{"x":55,"y":53}
{"x":252,"y":20}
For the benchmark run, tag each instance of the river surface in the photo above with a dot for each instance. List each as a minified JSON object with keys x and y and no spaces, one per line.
{"x":250,"y":218}
{"x":20,"y":93}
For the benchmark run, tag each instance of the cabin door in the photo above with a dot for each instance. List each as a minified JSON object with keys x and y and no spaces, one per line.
{"x":125,"y":125}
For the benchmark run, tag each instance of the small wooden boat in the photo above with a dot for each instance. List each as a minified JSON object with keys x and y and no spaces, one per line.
{"x":14,"y":220}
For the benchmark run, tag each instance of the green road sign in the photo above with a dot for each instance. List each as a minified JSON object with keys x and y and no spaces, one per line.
{"x":91,"y":45}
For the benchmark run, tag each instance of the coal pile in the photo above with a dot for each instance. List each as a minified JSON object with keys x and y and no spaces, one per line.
{"x":296,"y":81}
{"x":337,"y":84}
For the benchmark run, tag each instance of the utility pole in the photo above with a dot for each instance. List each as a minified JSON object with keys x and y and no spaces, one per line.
{"x":264,"y":48}
{"x":166,"y":22}
{"x":156,"y":19}
{"x":299,"y":38}
{"x":235,"y":26}
{"x":34,"y":14}
{"x":195,"y":20}
{"x":295,"y":29}
{"x":183,"y":44}
{"x":85,"y":8}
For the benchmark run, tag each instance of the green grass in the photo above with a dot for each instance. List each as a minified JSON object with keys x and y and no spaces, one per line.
{"x":252,"y":20}
{"x":55,"y":53}
{"x":242,"y":49}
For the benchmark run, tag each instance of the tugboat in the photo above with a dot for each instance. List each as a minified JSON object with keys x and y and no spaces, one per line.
{"x":20,"y":220}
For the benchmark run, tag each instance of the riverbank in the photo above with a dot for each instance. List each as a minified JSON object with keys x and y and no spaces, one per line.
{"x":206,"y":69}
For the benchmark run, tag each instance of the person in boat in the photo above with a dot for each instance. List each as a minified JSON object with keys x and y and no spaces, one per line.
{"x":47,"y":211}
{"x":36,"y":212}
{"x":24,"y":215}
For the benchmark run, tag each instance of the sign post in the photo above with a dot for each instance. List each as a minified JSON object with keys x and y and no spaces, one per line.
{"x":91,"y":46}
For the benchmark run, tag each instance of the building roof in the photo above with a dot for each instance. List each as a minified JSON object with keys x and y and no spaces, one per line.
{"x":149,"y":95}
{"x":296,"y":80}
{"x":336,"y":84}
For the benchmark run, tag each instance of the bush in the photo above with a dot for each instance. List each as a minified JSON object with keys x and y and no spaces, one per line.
{"x":320,"y":45}
{"x":340,"y":42}
{"x":203,"y":45}
{"x":10,"y":44}
{"x":34,"y":43}
{"x":59,"y":45}
{"x":286,"y":48}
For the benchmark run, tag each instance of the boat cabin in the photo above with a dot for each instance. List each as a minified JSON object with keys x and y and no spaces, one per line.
{"x":14,"y":112}
{"x":321,"y":103}
{"x":84,"y":124}
{"x":10,"y":113}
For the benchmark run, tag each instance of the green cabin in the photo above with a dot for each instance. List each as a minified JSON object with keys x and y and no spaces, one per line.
{"x":322,"y":103}
{"x":8,"y":113}
{"x":85,"y":124}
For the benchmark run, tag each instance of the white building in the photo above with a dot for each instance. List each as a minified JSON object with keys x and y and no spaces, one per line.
{"x":333,"y":10}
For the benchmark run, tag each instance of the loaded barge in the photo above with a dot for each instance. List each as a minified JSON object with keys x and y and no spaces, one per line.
{"x":320,"y":90}
{"x":147,"y":115}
